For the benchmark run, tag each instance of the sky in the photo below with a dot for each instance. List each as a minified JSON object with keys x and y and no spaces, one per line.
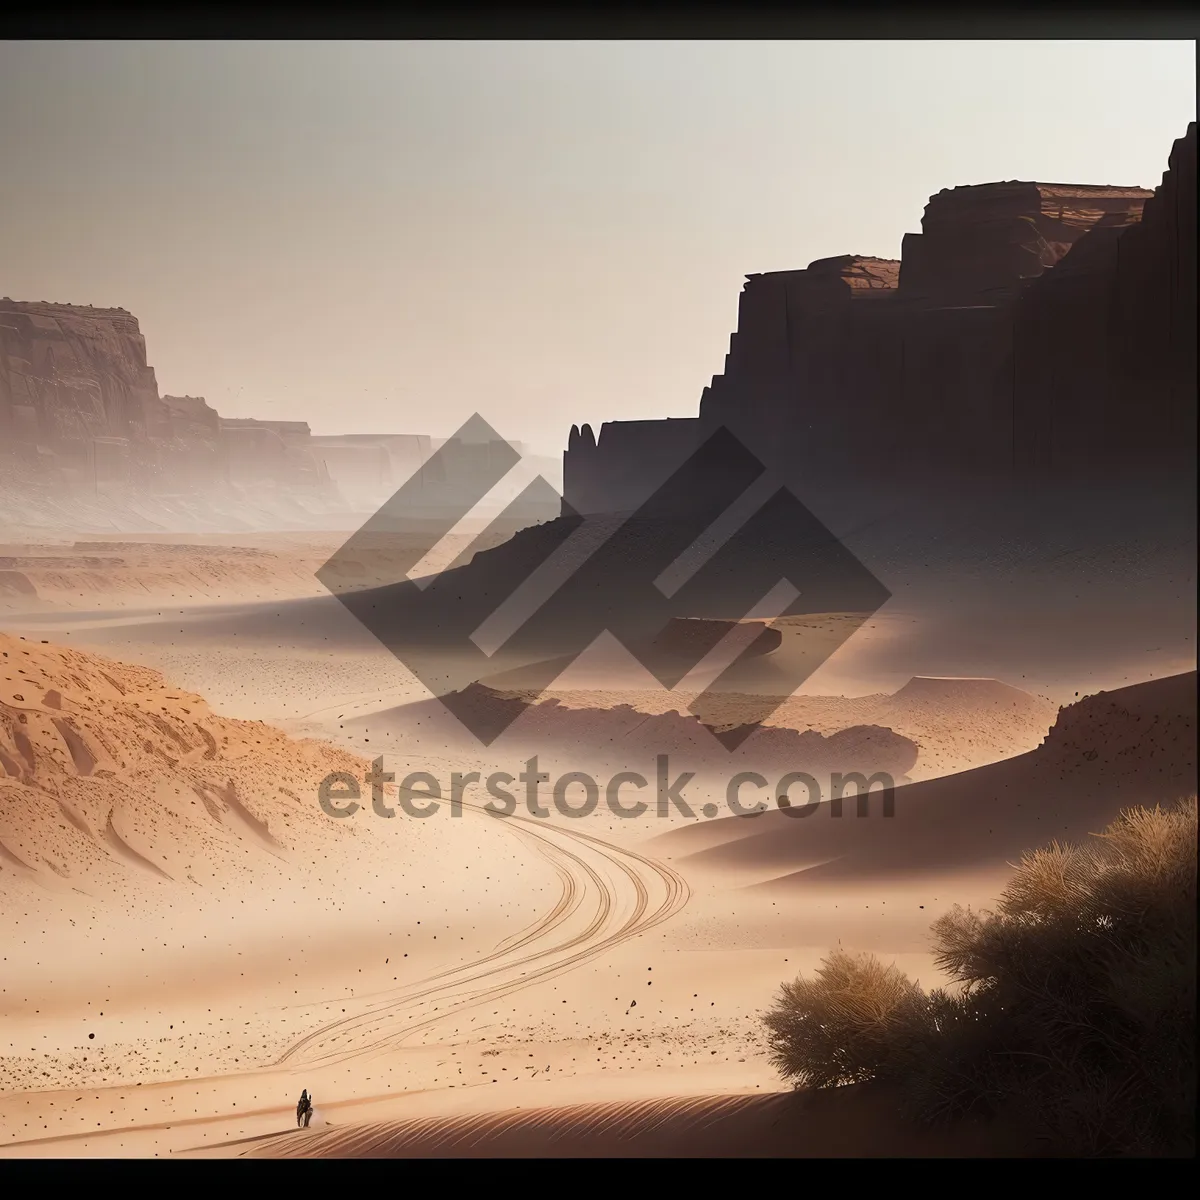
{"x":385,"y":237}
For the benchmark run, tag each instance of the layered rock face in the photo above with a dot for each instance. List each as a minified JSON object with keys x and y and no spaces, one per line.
{"x":79,"y":404}
{"x":985,"y":241}
{"x":189,"y":449}
{"x":277,"y":451}
{"x":1029,"y":331}
{"x":82,"y":421}
{"x":70,"y":375}
{"x":1103,"y":365}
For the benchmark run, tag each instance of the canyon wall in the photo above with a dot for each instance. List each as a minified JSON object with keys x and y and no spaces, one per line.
{"x":75,"y":387}
{"x":87,"y":440}
{"x":1103,"y":367}
{"x":616,"y":472}
{"x":80,"y":412}
{"x":1028,"y":331}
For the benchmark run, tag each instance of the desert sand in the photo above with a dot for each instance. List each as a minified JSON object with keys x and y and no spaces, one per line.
{"x":193,"y":940}
{"x":244,"y":852}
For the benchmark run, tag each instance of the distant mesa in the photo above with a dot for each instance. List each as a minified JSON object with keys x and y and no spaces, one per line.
{"x":1034,"y":332}
{"x":84,"y":428}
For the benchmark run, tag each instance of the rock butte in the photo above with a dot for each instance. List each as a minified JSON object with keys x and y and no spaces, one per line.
{"x":1030,"y":331}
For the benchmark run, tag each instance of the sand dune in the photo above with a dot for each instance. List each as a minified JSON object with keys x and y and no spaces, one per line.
{"x":1109,"y":751}
{"x":434,"y":972}
{"x":178,"y":895}
{"x":852,"y":1122}
{"x":110,"y":778}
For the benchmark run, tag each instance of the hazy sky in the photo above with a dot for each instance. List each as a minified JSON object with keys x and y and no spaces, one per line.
{"x":386,"y":237}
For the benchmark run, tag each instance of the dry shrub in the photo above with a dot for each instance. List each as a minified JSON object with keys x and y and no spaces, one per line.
{"x":1073,"y":1005}
{"x":845,"y":1026}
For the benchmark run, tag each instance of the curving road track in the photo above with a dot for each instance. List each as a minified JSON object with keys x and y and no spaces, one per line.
{"x":608,"y":895}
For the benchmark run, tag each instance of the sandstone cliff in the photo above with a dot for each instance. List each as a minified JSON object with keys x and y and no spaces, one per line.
{"x":71,"y":374}
{"x":987,"y":240}
{"x":87,"y":442}
{"x":1103,"y":360}
{"x":1029,"y":330}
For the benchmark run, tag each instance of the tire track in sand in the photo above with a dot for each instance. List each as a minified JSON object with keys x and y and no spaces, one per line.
{"x":609,"y":895}
{"x":637,"y":895}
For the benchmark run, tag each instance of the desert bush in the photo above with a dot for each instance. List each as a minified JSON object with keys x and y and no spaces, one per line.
{"x":1071,"y":1009}
{"x":853,"y":1022}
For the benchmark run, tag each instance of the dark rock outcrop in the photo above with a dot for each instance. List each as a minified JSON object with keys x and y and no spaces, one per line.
{"x":986,"y":241}
{"x":1103,"y":363}
{"x":617,"y":472}
{"x":1029,"y":331}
